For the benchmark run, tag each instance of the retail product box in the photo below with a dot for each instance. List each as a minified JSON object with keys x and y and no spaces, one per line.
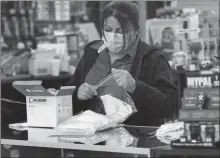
{"x":38,"y":63}
{"x":172,"y":35}
{"x":197,"y":98}
{"x":200,"y":80}
{"x":43,"y":108}
{"x":207,"y":115}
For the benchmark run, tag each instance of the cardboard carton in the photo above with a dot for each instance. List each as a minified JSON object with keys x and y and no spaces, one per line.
{"x":208,"y":97}
{"x":39,"y":64}
{"x":43,"y":108}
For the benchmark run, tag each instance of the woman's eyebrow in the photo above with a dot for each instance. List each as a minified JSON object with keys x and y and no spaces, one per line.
{"x":107,"y":25}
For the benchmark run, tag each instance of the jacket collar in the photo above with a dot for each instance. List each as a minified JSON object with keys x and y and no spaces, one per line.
{"x":143,"y":50}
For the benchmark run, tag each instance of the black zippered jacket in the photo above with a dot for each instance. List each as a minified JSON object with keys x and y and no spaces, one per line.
{"x":156,"y":96}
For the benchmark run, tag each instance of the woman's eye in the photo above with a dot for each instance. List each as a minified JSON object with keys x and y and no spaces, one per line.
{"x":107,"y":29}
{"x":119,"y":31}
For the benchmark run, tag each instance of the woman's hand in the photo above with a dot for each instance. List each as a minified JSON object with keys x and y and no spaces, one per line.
{"x":124,"y":79}
{"x":86,"y":91}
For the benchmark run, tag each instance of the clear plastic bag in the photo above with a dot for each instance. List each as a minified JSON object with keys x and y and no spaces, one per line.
{"x":108,"y":87}
{"x":116,"y":110}
{"x":118,"y":106}
{"x":86,"y":123}
{"x":112,"y":137}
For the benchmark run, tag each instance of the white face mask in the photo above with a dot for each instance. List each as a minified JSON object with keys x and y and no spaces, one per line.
{"x":114,"y":41}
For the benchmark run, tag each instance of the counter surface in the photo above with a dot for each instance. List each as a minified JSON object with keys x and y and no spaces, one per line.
{"x":140,"y":140}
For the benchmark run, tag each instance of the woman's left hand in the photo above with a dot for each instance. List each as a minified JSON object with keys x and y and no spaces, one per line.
{"x":124,"y":79}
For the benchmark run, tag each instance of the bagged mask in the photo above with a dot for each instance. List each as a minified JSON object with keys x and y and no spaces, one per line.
{"x":116,"y":110}
{"x":109,"y":90}
{"x":86,"y":123}
{"x":112,"y":137}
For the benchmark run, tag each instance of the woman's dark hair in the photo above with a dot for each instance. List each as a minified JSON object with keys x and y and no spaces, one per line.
{"x":124,"y":11}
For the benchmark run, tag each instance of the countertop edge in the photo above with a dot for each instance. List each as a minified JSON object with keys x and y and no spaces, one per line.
{"x":99,"y":148}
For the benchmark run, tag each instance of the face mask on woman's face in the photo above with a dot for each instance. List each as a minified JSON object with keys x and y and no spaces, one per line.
{"x":114,"y":41}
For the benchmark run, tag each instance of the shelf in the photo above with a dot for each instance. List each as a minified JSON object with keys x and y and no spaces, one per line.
{"x":10,"y":79}
{"x":52,"y":22}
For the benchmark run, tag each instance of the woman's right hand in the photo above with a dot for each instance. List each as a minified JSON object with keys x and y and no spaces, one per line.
{"x":86,"y":91}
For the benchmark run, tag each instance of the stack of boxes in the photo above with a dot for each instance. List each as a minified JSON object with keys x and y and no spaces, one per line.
{"x":53,"y":10}
{"x":43,"y":10}
{"x":62,"y":10}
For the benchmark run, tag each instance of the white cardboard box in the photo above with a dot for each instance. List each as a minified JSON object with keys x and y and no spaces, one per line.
{"x":43,"y":108}
{"x":39,"y":64}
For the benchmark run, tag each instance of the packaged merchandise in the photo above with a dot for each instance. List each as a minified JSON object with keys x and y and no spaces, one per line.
{"x":52,"y":109}
{"x":89,"y":122}
{"x":112,"y":137}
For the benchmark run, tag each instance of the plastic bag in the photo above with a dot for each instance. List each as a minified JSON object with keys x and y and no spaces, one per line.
{"x":109,"y":90}
{"x":116,"y":110}
{"x":112,"y":137}
{"x":86,"y":123}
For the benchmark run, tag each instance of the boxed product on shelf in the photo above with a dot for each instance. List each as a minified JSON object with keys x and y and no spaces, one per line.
{"x":62,"y":10}
{"x":209,"y":24}
{"x":38,"y":62}
{"x":51,"y":10}
{"x":60,"y":52}
{"x":173,"y":33}
{"x":77,"y":8}
{"x":204,"y":48}
{"x":43,"y":10}
{"x":58,"y":10}
{"x":162,"y":32}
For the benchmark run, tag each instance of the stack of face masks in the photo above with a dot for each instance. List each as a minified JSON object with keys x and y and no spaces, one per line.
{"x":88,"y":122}
{"x":112,"y":137}
{"x":170,"y":132}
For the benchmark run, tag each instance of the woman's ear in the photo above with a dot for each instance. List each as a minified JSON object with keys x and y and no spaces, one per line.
{"x":137,"y":34}
{"x":138,"y":31}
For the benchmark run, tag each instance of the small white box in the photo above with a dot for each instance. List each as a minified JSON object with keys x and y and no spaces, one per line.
{"x":43,"y":108}
{"x":38,"y":63}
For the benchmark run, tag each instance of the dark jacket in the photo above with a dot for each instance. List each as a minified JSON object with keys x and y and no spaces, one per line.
{"x":155,"y":96}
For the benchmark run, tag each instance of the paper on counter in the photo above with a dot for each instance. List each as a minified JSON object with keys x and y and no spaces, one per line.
{"x":19,"y":126}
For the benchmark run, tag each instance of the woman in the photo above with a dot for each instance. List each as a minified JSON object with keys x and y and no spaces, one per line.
{"x":138,"y":68}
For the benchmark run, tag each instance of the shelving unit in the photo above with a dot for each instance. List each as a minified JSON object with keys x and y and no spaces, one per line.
{"x":51,"y":22}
